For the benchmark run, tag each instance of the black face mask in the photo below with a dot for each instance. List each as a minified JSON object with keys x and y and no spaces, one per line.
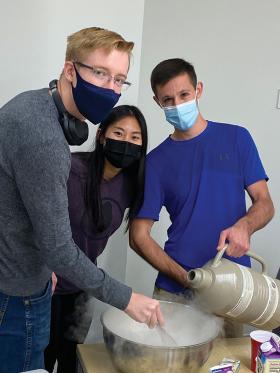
{"x":121,"y":154}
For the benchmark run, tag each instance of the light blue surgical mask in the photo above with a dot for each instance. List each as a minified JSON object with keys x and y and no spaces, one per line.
{"x":182,"y":116}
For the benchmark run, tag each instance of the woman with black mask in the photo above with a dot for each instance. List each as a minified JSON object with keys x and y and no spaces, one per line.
{"x":101,"y":185}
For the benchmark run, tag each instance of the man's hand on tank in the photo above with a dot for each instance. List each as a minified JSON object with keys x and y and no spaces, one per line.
{"x":238,"y":239}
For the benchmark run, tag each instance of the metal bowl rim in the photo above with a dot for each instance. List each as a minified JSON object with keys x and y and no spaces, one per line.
{"x":159,"y":347}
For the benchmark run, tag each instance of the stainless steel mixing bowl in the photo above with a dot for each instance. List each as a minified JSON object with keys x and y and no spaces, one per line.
{"x":132,"y":353}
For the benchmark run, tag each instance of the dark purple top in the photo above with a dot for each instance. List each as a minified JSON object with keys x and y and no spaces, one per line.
{"x":114,"y":194}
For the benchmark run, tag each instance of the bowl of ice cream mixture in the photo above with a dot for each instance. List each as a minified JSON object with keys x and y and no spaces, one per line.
{"x":182,"y":345}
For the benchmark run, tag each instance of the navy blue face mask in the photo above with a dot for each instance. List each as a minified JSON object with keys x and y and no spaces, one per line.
{"x":93,"y":102}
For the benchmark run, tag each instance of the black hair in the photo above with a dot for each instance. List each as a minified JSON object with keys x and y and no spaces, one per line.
{"x":134,"y":174}
{"x":169,"y":69}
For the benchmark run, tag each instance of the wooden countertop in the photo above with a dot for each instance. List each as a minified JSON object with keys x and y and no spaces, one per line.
{"x":95,"y":359}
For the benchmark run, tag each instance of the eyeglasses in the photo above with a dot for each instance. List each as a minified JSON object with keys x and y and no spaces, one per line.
{"x":102,"y":75}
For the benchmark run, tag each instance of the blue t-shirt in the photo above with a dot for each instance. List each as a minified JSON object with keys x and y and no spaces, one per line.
{"x":201,"y":182}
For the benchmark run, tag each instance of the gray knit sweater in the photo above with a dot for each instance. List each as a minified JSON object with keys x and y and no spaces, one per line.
{"x":35,"y":234}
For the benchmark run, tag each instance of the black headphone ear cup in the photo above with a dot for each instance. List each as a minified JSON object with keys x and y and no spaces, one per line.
{"x":78,"y":130}
{"x":75,"y":131}
{"x":64,"y":121}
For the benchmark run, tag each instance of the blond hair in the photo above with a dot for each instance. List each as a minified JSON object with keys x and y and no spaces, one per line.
{"x":87,"y":40}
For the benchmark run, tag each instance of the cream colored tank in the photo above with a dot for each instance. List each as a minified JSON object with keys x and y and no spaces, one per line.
{"x":233,"y":291}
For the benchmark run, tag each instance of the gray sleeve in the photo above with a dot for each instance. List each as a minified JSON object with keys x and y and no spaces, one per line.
{"x":41,"y":174}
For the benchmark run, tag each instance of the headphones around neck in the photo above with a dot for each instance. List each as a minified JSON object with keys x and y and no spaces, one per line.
{"x":75,"y":131}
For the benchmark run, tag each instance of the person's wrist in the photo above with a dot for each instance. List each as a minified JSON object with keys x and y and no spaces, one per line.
{"x":245,"y":224}
{"x":185,"y":281}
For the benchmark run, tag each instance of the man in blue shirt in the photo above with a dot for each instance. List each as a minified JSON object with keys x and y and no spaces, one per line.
{"x":199,"y":174}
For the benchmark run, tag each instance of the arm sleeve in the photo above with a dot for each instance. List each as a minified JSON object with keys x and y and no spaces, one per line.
{"x":251,"y":163}
{"x":41,"y":174}
{"x":153,"y":194}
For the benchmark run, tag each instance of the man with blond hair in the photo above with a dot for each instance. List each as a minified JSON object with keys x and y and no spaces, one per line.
{"x":35,"y":235}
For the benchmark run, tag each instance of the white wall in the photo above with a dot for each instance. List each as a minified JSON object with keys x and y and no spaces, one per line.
{"x":234,"y":46}
{"x":33,"y":40}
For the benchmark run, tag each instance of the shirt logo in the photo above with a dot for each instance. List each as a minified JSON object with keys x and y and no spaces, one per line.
{"x":224,"y":157}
